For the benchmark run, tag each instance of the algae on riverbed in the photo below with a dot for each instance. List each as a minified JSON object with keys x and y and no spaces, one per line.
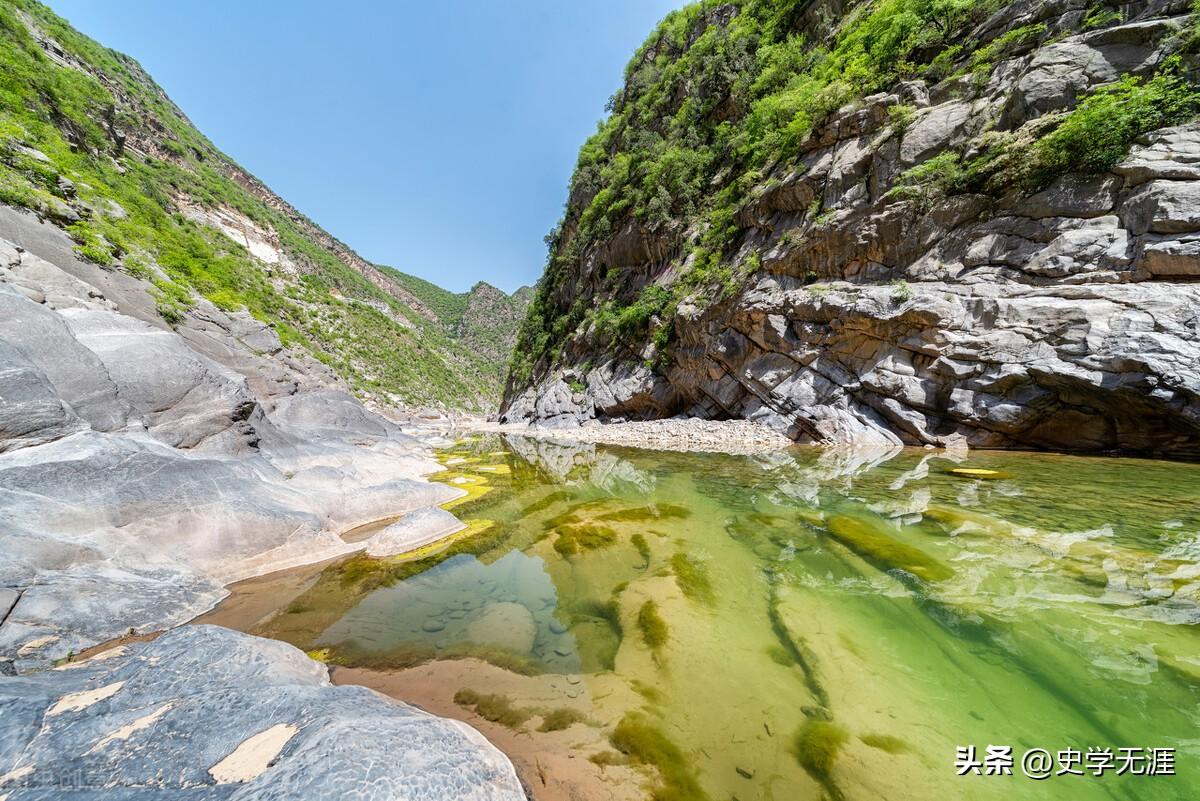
{"x":820,"y":623}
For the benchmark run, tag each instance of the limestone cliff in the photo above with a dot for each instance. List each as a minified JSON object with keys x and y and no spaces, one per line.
{"x":892,"y":221}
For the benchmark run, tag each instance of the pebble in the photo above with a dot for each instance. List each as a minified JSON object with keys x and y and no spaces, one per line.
{"x":432,"y":625}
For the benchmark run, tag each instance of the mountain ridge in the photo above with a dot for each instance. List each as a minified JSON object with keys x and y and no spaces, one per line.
{"x":89,"y":141}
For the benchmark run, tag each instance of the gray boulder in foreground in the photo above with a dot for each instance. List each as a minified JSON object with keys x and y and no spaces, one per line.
{"x":207,"y":713}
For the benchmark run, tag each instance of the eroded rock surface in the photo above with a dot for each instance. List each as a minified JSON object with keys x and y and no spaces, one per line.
{"x":144,"y":467}
{"x":124,"y":725}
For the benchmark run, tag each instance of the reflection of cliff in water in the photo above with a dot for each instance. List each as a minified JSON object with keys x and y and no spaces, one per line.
{"x":577,"y":462}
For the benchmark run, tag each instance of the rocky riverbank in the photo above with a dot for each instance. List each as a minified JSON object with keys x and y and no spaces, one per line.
{"x":145,"y":466}
{"x":124,"y":725}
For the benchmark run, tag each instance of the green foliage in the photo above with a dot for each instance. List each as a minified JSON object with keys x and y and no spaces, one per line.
{"x":1101,"y":16}
{"x":1092,"y":138}
{"x":91,"y":245}
{"x":933,"y":178}
{"x":706,"y":109}
{"x":1001,"y":46}
{"x":1100,"y":131}
{"x":448,"y":306}
{"x":901,"y":291}
{"x":901,"y":116}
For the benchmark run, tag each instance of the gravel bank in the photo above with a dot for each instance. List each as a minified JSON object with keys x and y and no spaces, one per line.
{"x":691,"y":434}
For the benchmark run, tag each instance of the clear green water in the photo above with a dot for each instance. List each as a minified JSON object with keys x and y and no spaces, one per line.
{"x":828,"y":624}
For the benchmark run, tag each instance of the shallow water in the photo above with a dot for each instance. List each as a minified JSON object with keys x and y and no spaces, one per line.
{"x":809,"y":623}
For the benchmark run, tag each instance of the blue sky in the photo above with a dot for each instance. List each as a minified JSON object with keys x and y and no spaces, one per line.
{"x":437,"y":137}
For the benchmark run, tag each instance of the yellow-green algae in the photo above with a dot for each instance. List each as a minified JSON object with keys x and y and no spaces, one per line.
{"x":646,"y":744}
{"x":817,"y":746}
{"x":872,"y":541}
{"x":652,"y":626}
{"x":496,"y":708}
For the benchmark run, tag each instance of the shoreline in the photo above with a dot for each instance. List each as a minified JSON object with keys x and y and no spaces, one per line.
{"x":690,"y":435}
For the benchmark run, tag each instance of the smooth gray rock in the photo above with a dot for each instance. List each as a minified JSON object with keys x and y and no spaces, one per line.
{"x":1169,"y":153}
{"x":414,"y":530}
{"x":1073,"y":196}
{"x":933,"y":131}
{"x":31,"y":411}
{"x":76,"y":373}
{"x":181,"y":397}
{"x":141,"y":469}
{"x":125,"y":727}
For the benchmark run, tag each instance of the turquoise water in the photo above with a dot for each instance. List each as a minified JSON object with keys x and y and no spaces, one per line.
{"x":811,"y":623}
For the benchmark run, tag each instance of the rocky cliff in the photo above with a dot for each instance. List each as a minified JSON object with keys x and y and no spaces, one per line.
{"x":899,"y":221}
{"x":90,"y":143}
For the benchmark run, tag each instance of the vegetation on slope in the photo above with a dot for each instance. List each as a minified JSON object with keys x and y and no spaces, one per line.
{"x":721,"y":101}
{"x":484,"y":320}
{"x":89,"y":141}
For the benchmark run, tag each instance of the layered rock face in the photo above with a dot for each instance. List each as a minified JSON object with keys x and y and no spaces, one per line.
{"x":142,"y":468}
{"x":873,"y":306}
{"x":207,"y":713}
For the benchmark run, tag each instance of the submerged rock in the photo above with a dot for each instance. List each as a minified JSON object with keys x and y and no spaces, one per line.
{"x":505,"y":625}
{"x":270,"y":725}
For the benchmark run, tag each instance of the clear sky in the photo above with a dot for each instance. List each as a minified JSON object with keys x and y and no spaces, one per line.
{"x":435,"y":136}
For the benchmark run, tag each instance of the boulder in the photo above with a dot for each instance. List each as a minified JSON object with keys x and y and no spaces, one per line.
{"x":1163,"y":207}
{"x":414,"y":530}
{"x":122,"y":726}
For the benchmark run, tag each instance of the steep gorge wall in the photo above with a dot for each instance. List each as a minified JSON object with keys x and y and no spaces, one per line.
{"x":996,"y":242}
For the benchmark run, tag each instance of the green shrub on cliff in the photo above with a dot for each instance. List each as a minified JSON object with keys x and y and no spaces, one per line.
{"x":1100,"y":131}
{"x":723,"y":98}
{"x":718,"y":93}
